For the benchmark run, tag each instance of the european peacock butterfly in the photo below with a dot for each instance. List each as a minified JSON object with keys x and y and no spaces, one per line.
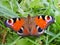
{"x":33,"y":26}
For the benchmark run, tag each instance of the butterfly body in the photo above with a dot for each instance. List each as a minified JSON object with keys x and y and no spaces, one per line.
{"x":29,"y":26}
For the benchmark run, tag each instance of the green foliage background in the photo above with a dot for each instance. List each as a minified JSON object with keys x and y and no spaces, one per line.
{"x":21,"y":8}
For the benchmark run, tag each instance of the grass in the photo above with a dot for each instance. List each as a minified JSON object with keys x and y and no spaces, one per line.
{"x":21,"y":8}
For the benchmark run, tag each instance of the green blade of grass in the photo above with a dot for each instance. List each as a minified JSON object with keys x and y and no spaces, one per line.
{"x":49,"y":33}
{"x":32,"y":41}
{"x":47,"y":38}
{"x":20,"y":9}
{"x":1,"y":24}
{"x":54,"y":37}
{"x":15,"y":41}
{"x":7,"y":12}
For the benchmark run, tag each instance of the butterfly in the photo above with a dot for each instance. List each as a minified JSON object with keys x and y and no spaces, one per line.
{"x":33,"y":26}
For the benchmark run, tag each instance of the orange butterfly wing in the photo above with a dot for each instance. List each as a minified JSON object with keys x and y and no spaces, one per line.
{"x":18,"y":24}
{"x":39,"y":25}
{"x":40,"y":22}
